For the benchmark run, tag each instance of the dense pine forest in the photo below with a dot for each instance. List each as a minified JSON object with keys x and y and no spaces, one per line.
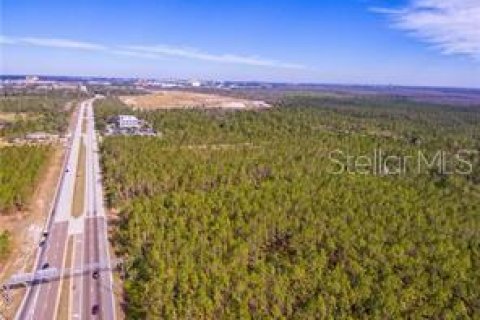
{"x":20,"y":169}
{"x":30,"y":113}
{"x":243,"y":214}
{"x":21,"y":165}
{"x":19,"y":172}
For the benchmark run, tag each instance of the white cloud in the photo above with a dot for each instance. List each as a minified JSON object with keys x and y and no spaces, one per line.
{"x":148,"y":52}
{"x":190,"y":53}
{"x":452,"y":26}
{"x":135,"y":54}
{"x":61,"y":43}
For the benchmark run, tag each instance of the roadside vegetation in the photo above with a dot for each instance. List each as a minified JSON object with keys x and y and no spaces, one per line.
{"x":78,"y":205}
{"x":35,"y":110}
{"x":20,"y":168}
{"x":22,"y":165}
{"x":237,"y":214}
{"x":33,"y":113}
{"x":4,"y":244}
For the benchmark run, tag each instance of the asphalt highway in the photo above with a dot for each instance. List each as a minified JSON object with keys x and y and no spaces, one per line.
{"x":91,"y":295}
{"x":97,"y":296}
{"x":41,"y":299}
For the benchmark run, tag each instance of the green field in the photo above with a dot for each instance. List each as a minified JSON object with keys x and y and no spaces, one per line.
{"x":240,"y":215}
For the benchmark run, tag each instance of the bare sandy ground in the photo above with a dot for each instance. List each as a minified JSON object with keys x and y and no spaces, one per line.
{"x":182,"y":100}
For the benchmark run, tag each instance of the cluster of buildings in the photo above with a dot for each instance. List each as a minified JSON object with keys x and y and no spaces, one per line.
{"x":37,"y":138}
{"x":83,"y":83}
{"x":128,"y":125}
{"x":210,"y":84}
{"x":35,"y":82}
{"x":168,"y":83}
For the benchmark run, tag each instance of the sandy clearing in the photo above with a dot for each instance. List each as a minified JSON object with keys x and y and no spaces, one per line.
{"x":182,"y":100}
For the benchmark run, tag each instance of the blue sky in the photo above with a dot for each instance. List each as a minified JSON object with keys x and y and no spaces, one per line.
{"x":409,"y":42}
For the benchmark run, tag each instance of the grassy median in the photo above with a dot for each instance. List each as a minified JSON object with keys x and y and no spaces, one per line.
{"x":84,"y":125}
{"x":79,"y":193}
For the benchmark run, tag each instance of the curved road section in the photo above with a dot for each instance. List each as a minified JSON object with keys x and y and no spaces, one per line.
{"x":91,"y":290}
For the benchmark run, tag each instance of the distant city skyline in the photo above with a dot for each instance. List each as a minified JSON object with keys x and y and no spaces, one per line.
{"x":400,"y":42}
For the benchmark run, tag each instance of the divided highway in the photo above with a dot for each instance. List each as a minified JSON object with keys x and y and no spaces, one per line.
{"x":91,"y":294}
{"x":97,"y":294}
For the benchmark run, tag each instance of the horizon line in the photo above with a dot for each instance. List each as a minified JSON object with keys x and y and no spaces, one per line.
{"x":278,"y":82}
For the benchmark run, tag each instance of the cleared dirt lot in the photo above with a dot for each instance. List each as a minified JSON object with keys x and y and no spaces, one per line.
{"x":181,"y":99}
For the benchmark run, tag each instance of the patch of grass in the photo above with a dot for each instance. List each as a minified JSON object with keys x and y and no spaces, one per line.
{"x":84,"y":124}
{"x":79,"y":193}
